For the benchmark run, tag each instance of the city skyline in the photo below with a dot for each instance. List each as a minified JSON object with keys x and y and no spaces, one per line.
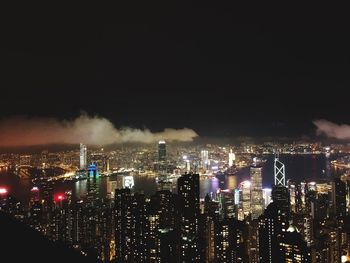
{"x":175,"y":133}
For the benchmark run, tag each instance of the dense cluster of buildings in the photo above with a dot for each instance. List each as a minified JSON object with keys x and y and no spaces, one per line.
{"x":291,"y":222}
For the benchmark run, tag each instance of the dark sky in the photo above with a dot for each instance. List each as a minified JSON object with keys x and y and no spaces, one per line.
{"x":221,"y":70}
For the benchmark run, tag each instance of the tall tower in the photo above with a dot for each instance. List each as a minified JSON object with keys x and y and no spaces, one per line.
{"x":231,"y":158}
{"x":161,"y":151}
{"x":245,"y":198}
{"x":83,"y":156}
{"x":205,"y":159}
{"x":279,"y":172}
{"x":272,"y":226}
{"x":188,"y":190}
{"x":257,"y":200}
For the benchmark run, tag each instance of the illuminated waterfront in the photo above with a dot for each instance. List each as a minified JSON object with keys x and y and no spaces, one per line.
{"x":298,"y":167}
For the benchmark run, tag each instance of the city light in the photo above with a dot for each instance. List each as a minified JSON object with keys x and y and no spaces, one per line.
{"x":3,"y":190}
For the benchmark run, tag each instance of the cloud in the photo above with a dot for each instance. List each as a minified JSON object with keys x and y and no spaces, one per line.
{"x":333,"y":130}
{"x":92,"y":130}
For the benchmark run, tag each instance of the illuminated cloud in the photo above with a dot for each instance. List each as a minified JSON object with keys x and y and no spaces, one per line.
{"x":93,"y":130}
{"x":333,"y":130}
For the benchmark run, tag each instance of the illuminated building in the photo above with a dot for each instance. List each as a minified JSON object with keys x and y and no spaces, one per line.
{"x":272,"y":226}
{"x":204,"y":159}
{"x":128,"y":181}
{"x":100,"y":160}
{"x":293,"y":248}
{"x":257,"y":202}
{"x":188,"y":166}
{"x":165,"y":207}
{"x":292,"y":194}
{"x":35,"y":209}
{"x":227,"y":201}
{"x":312,"y":186}
{"x":246,"y":198}
{"x":279,"y":172}
{"x":228,"y":240}
{"x":267,"y":196}
{"x":4,"y":195}
{"x":231,"y":158}
{"x":152,"y":235}
{"x":112,"y":186}
{"x":92,"y":185}
{"x":280,"y":196}
{"x":83,"y":156}
{"x":161,"y":151}
{"x":25,"y":160}
{"x":323,"y":188}
{"x":339,"y":198}
{"x":93,"y":171}
{"x":124,"y":225}
{"x":231,"y":180}
{"x":188,"y":191}
{"x":167,"y":246}
{"x":131,"y":227}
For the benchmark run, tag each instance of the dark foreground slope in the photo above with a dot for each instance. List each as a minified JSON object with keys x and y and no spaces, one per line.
{"x":19,"y":243}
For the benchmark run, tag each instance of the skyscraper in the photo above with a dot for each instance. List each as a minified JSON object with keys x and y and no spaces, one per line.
{"x":257,"y":201}
{"x":339,"y":198}
{"x":267,"y":196}
{"x":161,"y":151}
{"x":228,"y":241}
{"x":227,"y":201}
{"x":83,"y":156}
{"x":272,"y":226}
{"x":188,"y":191}
{"x":123,"y":225}
{"x":293,"y":248}
{"x":205,"y":159}
{"x":231,"y":158}
{"x":246,"y":199}
{"x":280,"y":196}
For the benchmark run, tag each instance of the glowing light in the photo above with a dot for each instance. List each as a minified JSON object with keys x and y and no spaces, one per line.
{"x":3,"y":191}
{"x":184,"y":157}
{"x":59,"y":197}
{"x":246,"y":183}
{"x":35,"y":189}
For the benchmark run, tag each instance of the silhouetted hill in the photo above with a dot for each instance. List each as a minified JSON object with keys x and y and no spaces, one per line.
{"x":19,"y":243}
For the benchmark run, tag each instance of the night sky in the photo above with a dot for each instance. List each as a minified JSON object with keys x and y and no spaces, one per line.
{"x":221,"y":70}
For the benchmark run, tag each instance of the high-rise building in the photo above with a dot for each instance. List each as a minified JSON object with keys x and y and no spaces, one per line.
{"x":123,"y":225}
{"x":231,"y":158}
{"x":205,"y":159}
{"x":245,"y":199}
{"x":228,"y":241}
{"x":280,"y":196}
{"x":257,"y":201}
{"x":272,"y":226}
{"x":267,"y":196}
{"x":292,"y":194}
{"x":93,"y":170}
{"x":188,"y":191}
{"x":279,"y":172}
{"x":339,"y":198}
{"x":293,"y":248}
{"x":167,"y":246}
{"x":83,"y":156}
{"x":227,"y":201}
{"x":161,"y":151}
